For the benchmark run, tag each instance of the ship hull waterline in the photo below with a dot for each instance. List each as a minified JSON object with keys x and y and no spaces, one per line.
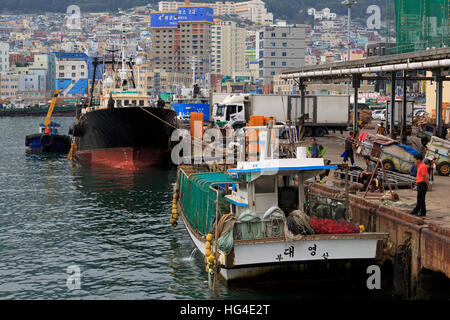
{"x":130,"y":138}
{"x":123,"y":158}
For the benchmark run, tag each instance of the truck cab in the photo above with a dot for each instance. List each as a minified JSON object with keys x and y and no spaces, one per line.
{"x":230,"y":112}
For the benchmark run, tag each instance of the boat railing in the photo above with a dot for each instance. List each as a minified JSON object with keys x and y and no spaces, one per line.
{"x":262,"y":229}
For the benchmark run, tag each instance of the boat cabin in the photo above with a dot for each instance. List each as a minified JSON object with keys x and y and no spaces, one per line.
{"x":272,"y":183}
{"x":53,"y":127}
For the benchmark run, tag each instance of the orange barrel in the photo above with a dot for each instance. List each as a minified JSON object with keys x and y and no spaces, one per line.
{"x":251,"y":123}
{"x":259,"y":121}
{"x":196,"y":124}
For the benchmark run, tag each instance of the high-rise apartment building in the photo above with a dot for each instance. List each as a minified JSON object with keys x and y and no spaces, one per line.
{"x":228,"y":48}
{"x":181,"y":40}
{"x":280,"y":47}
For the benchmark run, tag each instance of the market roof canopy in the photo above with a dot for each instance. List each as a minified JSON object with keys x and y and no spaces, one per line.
{"x":422,"y":59}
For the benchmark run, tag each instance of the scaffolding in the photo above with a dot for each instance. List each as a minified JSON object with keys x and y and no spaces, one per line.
{"x":421,"y":24}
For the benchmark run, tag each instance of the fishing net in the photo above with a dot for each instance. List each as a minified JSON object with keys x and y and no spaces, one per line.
{"x":328,"y":226}
{"x":273,"y":223}
{"x":199,"y":201}
{"x":248,"y":226}
{"x":225,"y":230}
{"x":298,"y":223}
{"x":325,"y":208}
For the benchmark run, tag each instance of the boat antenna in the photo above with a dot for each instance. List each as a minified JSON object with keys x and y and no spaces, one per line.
{"x":123,"y":49}
{"x":130,"y":64}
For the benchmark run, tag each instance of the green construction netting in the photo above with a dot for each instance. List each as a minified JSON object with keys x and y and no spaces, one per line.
{"x":199,"y":201}
{"x":421,"y":24}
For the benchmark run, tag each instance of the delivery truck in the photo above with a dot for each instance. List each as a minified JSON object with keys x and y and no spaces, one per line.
{"x":320,"y":115}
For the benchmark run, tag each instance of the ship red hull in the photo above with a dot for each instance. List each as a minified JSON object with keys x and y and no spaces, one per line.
{"x":122,"y":158}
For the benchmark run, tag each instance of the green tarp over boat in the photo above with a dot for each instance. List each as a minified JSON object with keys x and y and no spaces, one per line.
{"x":199,"y":200}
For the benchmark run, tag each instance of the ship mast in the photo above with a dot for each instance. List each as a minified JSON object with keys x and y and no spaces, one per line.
{"x":123,"y":49}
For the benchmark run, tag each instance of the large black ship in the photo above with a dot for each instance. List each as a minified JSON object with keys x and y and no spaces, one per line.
{"x":126,"y":130}
{"x":124,"y":137}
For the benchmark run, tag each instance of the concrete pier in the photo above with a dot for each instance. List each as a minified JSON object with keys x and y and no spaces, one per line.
{"x":418,"y":249}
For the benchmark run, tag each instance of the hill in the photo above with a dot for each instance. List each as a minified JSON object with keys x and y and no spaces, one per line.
{"x":294,"y":11}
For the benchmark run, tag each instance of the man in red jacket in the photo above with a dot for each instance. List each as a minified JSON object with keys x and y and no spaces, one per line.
{"x":423,"y":185}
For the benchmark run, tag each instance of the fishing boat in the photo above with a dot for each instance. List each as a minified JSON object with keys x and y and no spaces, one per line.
{"x":126,"y":130}
{"x":258,"y":218}
{"x":193,"y":101}
{"x":48,"y":139}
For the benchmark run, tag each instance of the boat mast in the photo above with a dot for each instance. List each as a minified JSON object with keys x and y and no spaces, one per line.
{"x":123,"y":49}
{"x":126,"y":61}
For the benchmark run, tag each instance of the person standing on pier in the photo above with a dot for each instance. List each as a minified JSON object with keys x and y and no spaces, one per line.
{"x":348,"y":153}
{"x":316,"y":150}
{"x":365,"y":175}
{"x":423,"y":185}
{"x":381,"y":129}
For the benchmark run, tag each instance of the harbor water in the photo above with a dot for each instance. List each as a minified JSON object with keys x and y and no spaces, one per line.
{"x":112,"y":226}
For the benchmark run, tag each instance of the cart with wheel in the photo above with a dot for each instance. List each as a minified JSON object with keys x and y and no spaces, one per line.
{"x":439,"y":150}
{"x":393,"y":155}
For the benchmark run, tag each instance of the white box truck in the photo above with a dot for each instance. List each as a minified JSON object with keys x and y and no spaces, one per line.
{"x":235,"y":109}
{"x":321,"y":114}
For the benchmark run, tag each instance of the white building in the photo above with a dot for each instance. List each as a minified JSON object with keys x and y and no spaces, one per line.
{"x":9,"y":85}
{"x":280,"y":47}
{"x":4,"y":56}
{"x":255,"y":11}
{"x":228,"y":48}
{"x":323,"y":14}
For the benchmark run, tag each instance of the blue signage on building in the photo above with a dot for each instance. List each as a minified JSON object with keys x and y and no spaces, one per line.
{"x":195,"y":14}
{"x":163,"y":19}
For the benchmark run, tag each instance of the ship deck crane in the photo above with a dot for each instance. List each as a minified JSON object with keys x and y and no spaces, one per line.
{"x":52,"y":107}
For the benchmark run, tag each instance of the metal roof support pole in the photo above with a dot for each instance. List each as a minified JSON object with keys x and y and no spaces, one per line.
{"x":301,"y":192}
{"x":302,"y":88}
{"x":404,"y":115}
{"x":356,"y":85}
{"x":301,"y":128}
{"x":439,"y":130}
{"x":393,"y":89}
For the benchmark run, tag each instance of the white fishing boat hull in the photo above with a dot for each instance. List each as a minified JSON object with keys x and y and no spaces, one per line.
{"x":252,"y":258}
{"x":256,"y":258}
